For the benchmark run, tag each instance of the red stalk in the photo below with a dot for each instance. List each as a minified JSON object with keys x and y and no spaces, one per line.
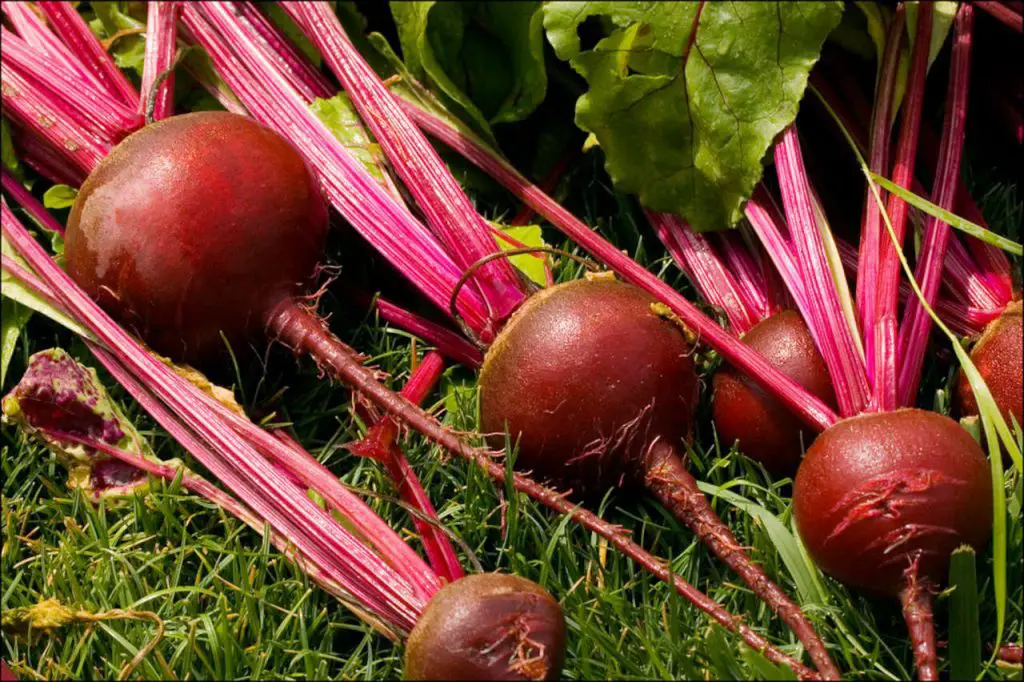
{"x":871,"y":235}
{"x":69,"y":25}
{"x":388,"y":226}
{"x":449,"y":213}
{"x":916,"y":322}
{"x":834,"y":337}
{"x":161,"y":37}
{"x":697,"y":258}
{"x":917,"y":612}
{"x":91,"y":108}
{"x":749,"y":273}
{"x":1006,"y":15}
{"x":450,"y":344}
{"x":810,"y":409}
{"x":548,"y":185}
{"x":380,"y":444}
{"x":24,"y":198}
{"x":44,"y":158}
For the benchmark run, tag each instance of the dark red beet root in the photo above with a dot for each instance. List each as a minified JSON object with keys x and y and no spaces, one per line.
{"x":767,"y":431}
{"x":599,"y":390}
{"x":194,"y":226}
{"x":997,"y":355}
{"x":876,"y":490}
{"x":488,"y":626}
{"x":587,"y":375}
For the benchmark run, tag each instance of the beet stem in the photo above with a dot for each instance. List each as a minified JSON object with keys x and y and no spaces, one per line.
{"x":161,"y":35}
{"x":916,"y":598}
{"x":305,"y":333}
{"x":667,"y":478}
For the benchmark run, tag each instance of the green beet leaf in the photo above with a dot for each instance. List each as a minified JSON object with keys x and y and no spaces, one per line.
{"x":485,"y":59}
{"x":684,"y":125}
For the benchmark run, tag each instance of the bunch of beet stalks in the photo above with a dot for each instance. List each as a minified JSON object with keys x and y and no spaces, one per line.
{"x":608,"y":363}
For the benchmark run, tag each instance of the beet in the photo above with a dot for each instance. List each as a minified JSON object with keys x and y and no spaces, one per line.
{"x":488,"y":626}
{"x":196,"y":225}
{"x":882,"y":499}
{"x":767,"y":431}
{"x":598,"y":390}
{"x":588,"y":376}
{"x":997,"y":355}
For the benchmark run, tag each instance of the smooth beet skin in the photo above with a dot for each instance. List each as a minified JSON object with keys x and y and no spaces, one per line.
{"x":877,"y":490}
{"x":196,"y":225}
{"x":767,"y":431}
{"x":488,"y":626}
{"x":586,"y":376}
{"x":997,"y":355}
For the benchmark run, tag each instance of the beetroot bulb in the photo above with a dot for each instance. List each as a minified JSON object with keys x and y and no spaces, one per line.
{"x":597,"y":390}
{"x":766,"y":430}
{"x":882,"y":499}
{"x":209,"y":223}
{"x":997,"y":355}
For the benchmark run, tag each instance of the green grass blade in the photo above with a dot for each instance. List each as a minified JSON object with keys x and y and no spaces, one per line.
{"x":953,"y":220}
{"x":964,"y":633}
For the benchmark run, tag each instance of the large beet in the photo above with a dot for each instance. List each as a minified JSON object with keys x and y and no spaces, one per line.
{"x":997,"y":355}
{"x":192,"y":226}
{"x":488,"y":626}
{"x":586,"y":376}
{"x":598,"y":389}
{"x":767,"y":430}
{"x":878,"y":490}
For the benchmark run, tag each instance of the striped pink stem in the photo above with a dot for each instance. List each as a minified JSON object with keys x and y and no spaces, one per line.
{"x":161,"y":45}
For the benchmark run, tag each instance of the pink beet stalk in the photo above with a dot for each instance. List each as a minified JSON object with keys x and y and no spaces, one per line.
{"x":237,"y":464}
{"x":388,"y":226}
{"x":449,"y":213}
{"x":91,"y":108}
{"x":380,"y":444}
{"x":697,"y":258}
{"x":1006,"y":15}
{"x":450,"y":344}
{"x":23,"y":197}
{"x":809,"y":408}
{"x":871,"y":225}
{"x":157,"y":92}
{"x":834,"y":337}
{"x":751,"y":276}
{"x":76,"y":34}
{"x":32,"y":30}
{"x":916,"y":323}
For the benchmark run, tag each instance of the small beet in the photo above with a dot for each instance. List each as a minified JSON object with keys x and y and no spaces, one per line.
{"x":587,"y":375}
{"x":488,"y":626}
{"x":767,"y":430}
{"x":997,"y":355}
{"x":194,"y":226}
{"x":878,"y":490}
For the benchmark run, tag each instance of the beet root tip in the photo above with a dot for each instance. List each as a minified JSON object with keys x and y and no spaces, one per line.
{"x":488,"y":626}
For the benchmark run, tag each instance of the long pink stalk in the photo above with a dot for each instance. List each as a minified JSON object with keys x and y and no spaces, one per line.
{"x":24,"y":198}
{"x":1006,"y":15}
{"x":697,"y":258}
{"x":76,"y":34}
{"x":43,"y":158}
{"x":868,"y":272}
{"x":749,"y":272}
{"x":237,"y":464}
{"x":388,"y":226}
{"x":449,"y":212}
{"x":834,"y":337}
{"x":450,"y":344}
{"x":814,"y":412}
{"x":157,"y":89}
{"x":380,"y":444}
{"x":91,"y":108}
{"x":963,"y":277}
{"x":917,"y":323}
{"x":35,"y":110}
{"x":31,"y":28}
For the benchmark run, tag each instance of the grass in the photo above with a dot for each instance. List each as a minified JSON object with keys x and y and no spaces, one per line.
{"x":233,"y":608}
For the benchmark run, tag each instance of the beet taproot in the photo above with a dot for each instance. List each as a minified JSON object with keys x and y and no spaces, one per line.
{"x":997,"y":355}
{"x":767,"y":431}
{"x":194,"y":226}
{"x":488,"y":626}
{"x":597,"y":389}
